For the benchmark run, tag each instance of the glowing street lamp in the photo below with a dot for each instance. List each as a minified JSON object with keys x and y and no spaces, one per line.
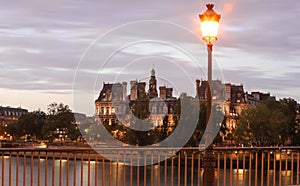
{"x":209,"y":28}
{"x":210,"y":24}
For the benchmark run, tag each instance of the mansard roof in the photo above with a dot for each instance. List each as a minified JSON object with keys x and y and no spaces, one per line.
{"x":106,"y":87}
{"x":7,"y":111}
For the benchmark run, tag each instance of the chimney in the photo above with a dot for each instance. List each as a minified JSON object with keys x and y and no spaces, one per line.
{"x":116,"y":91}
{"x":246,"y":97}
{"x":162,"y":92}
{"x":197,"y":87}
{"x":169,"y":92}
{"x":133,"y":90}
{"x":124,"y":86}
{"x":141,"y":88}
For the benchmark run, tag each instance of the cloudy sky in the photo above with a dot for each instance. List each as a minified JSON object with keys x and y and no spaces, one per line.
{"x":46,"y":45}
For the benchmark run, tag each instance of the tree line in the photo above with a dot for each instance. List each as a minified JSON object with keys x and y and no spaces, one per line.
{"x":270,"y":123}
{"x":42,"y":126}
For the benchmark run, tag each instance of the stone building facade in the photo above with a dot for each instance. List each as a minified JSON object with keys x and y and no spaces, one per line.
{"x":114,"y":106}
{"x":232,"y":99}
{"x":9,"y":115}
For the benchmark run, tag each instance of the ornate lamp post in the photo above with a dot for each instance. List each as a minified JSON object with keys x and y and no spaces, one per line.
{"x":209,"y":28}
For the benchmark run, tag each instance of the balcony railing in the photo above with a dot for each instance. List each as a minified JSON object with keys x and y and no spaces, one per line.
{"x":82,"y":166}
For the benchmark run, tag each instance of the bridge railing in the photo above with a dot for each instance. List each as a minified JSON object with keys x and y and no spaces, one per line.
{"x":84,"y":166}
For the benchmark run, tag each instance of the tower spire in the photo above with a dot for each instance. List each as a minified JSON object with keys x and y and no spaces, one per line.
{"x":153,"y":71}
{"x":152,"y":92}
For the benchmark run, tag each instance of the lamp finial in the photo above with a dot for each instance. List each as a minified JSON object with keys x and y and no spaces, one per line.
{"x":210,"y":6}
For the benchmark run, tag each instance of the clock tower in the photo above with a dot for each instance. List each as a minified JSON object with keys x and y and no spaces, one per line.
{"x":152,"y":92}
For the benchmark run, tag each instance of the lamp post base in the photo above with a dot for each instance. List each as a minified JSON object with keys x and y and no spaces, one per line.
{"x":208,"y":164}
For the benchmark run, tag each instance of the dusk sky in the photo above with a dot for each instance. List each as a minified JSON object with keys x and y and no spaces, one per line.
{"x":42,"y":43}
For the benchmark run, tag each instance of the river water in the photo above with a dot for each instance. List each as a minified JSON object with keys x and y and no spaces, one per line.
{"x":117,"y":174}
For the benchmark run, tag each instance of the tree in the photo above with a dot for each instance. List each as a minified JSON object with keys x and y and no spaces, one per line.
{"x":40,"y":125}
{"x":142,"y":138}
{"x":140,"y":120}
{"x":164,"y":129}
{"x":73,"y":132}
{"x":223,"y":130}
{"x":60,"y":116}
{"x":13,"y":130}
{"x":288,"y":107}
{"x":263,"y":125}
{"x":189,"y":123}
{"x":140,"y":107}
{"x":30,"y":124}
{"x":195,"y":139}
